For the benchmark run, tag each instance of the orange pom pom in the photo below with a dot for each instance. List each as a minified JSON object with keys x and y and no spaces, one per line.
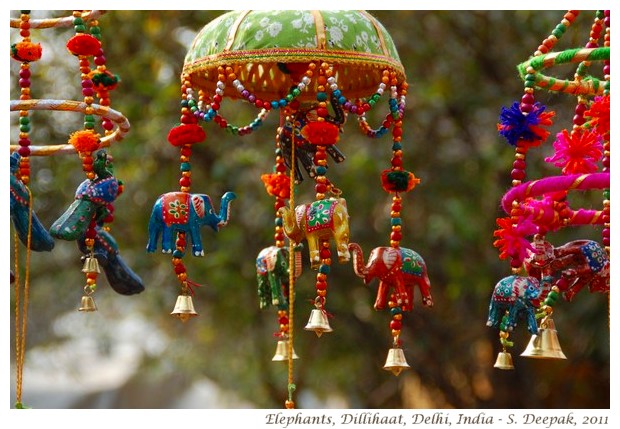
{"x":84,"y":141}
{"x":277,"y":185}
{"x":26,"y":51}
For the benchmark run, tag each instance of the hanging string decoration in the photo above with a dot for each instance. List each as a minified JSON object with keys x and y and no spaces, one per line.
{"x":542,"y":272}
{"x":313,"y":69}
{"x":87,"y":219}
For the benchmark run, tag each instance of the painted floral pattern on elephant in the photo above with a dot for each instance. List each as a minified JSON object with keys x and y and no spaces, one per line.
{"x":320,"y":214}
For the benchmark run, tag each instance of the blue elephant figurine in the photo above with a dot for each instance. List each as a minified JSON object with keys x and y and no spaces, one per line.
{"x":516,"y":296}
{"x":120,"y":277}
{"x":40,"y":238}
{"x":184,"y":212}
{"x":92,"y":200}
{"x":272,"y":274}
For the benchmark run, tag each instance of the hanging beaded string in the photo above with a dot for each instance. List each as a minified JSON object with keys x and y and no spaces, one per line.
{"x":184,"y":136}
{"x":25,"y":52}
{"x":86,"y":141}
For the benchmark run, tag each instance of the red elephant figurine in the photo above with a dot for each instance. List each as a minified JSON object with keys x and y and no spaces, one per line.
{"x":397,"y":268}
{"x":576,"y":264}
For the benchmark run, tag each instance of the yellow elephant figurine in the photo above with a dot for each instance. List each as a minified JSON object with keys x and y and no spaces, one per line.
{"x":316,"y":222}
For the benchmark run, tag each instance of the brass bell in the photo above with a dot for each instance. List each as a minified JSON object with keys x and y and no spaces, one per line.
{"x":396,"y":362}
{"x":282,"y":352}
{"x":91,"y":265}
{"x":504,"y":361}
{"x":87,"y":304}
{"x":545,"y":344}
{"x":184,"y":308}
{"x":318,"y":322}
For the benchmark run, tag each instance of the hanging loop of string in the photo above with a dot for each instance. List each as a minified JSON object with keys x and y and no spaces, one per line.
{"x":21,"y":316}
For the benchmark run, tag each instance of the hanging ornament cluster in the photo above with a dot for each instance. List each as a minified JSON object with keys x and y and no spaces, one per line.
{"x":313,"y":69}
{"x":87,"y":219}
{"x":541,"y":271}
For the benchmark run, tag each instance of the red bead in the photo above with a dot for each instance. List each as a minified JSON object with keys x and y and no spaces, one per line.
{"x":179,"y":268}
{"x":281,"y":168}
{"x":519,"y":164}
{"x":24,"y":151}
{"x":325,"y":253}
{"x":283,"y":320}
{"x":578,"y":120}
{"x":396,"y":324}
{"x":517,"y":174}
{"x":320,"y":188}
{"x":322,"y":112}
{"x":397,"y":161}
{"x":215,"y":106}
{"x":217,"y":98}
{"x":185,"y":181}
{"x":186,"y":151}
{"x":396,"y":235}
{"x":24,"y":73}
{"x":279,"y":236}
{"x":527,"y":108}
{"x":581,"y":108}
{"x":321,"y":285}
{"x":528,"y":99}
{"x":279,"y":204}
{"x":91,"y":233}
{"x":397,"y":132}
{"x":107,"y":124}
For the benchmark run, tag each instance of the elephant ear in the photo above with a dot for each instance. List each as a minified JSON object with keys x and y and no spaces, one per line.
{"x":390,"y":256}
{"x":199,"y":205}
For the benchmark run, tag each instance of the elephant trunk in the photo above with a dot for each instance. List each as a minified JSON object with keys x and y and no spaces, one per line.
{"x":358,"y":260}
{"x":290,"y":226}
{"x":224,"y":208}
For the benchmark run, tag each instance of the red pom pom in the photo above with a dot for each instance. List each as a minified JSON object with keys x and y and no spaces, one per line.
{"x":83,"y":44}
{"x":321,"y":133}
{"x":186,"y":134}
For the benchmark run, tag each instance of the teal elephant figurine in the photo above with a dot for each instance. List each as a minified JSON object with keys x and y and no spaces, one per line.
{"x":22,"y":216}
{"x":120,"y":277}
{"x":93,"y":200}
{"x":517,"y":296}
{"x":184,"y":212}
{"x":273,"y":275}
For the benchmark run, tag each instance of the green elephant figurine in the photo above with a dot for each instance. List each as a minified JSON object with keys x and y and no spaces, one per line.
{"x":273,"y":275}
{"x":318,"y":221}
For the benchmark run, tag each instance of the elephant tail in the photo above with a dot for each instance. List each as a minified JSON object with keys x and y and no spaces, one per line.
{"x":225,"y":208}
{"x":120,"y":277}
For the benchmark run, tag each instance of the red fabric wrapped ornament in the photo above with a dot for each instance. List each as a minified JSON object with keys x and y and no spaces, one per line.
{"x":321,"y":133}
{"x":26,"y":51}
{"x":84,"y":44}
{"x":186,"y":134}
{"x":398,"y":180}
{"x":277,"y":185}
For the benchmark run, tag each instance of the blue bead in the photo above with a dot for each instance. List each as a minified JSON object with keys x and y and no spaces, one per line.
{"x":324,"y":269}
{"x":177,"y":254}
{"x":397,"y":146}
{"x":396,"y":221}
{"x":283,"y":102}
{"x":320,"y":170}
{"x":342,"y":99}
{"x":275,"y":105}
{"x":186,"y":166}
{"x":321,"y":96}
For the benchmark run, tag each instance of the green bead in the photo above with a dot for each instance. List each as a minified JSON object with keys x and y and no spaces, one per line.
{"x":530,"y":77}
{"x":89,"y":125}
{"x":95,"y":30}
{"x":529,"y":84}
{"x":296,"y":92}
{"x":80,"y":29}
{"x":321,"y":96}
{"x":395,"y":310}
{"x":371,"y":102}
{"x":606,"y":194}
{"x":289,"y":97}
{"x":24,"y":128}
{"x":89,"y":118}
{"x":24,"y":120}
{"x":78,"y":21}
{"x":278,"y":221}
{"x":191,"y":103}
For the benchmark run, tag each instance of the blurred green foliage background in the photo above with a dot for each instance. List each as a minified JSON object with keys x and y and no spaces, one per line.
{"x":461,"y":67}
